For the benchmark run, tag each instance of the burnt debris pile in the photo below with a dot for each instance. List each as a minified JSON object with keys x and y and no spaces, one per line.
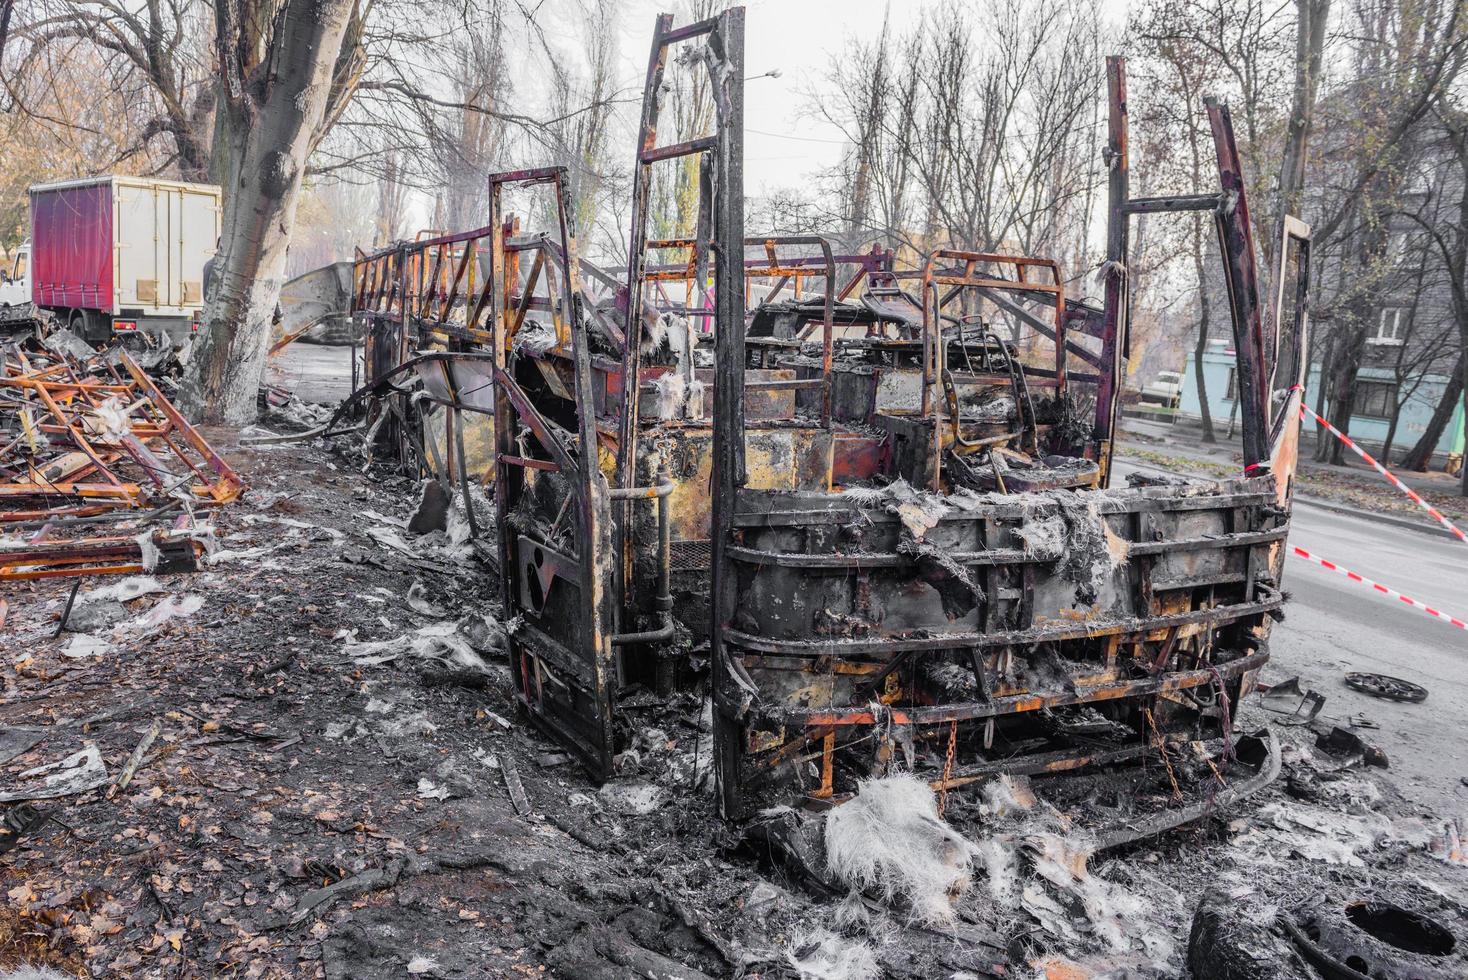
{"x":99,"y":472}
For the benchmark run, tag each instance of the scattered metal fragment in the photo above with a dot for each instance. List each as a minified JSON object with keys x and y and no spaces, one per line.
{"x":18,"y":822}
{"x":77,"y":773}
{"x":1386,"y":687}
{"x":16,"y":740}
{"x":1298,"y":707}
{"x":1342,"y":742}
{"x":515,"y":788}
{"x":93,"y":445}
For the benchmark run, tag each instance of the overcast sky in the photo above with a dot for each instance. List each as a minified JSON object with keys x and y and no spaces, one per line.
{"x":784,"y":145}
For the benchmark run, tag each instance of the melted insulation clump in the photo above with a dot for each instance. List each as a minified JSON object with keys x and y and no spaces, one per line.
{"x":890,"y":841}
{"x":823,"y":955}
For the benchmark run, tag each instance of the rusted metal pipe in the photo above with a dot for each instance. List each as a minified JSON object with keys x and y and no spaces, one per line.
{"x":663,"y":601}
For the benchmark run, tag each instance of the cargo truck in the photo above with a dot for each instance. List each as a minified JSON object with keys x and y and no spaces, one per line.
{"x":113,"y":256}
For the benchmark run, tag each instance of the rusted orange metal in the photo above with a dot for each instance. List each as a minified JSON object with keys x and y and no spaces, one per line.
{"x":98,"y":446}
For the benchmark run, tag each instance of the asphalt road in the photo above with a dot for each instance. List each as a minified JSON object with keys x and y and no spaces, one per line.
{"x":1334,"y":625}
{"x":315,"y":372}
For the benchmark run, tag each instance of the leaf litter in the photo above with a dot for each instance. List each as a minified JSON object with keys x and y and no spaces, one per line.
{"x":320,"y":801}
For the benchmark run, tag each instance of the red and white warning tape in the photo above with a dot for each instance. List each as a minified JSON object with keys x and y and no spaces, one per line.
{"x":1437,"y":515}
{"x":1379,"y":587}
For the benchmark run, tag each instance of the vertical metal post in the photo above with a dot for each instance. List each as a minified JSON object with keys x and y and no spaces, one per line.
{"x":636,"y":263}
{"x":1114,"y":322}
{"x":595,"y":555}
{"x":727,"y":43}
{"x":1236,"y":241}
{"x":507,"y":479}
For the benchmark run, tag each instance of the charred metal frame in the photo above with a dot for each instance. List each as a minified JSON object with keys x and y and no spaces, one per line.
{"x":573,"y":669}
{"x":1189,"y":614}
{"x":832,"y":614}
{"x":98,"y":445}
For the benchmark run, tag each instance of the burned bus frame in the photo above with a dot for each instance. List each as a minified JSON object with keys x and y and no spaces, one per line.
{"x":836,"y":641}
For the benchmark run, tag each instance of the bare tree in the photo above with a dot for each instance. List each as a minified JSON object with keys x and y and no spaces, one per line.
{"x":392,"y":203}
{"x":284,"y":70}
{"x":1406,"y":54}
{"x":1189,"y":51}
{"x":70,"y":116}
{"x":1311,"y":18}
{"x":1445,"y":228}
{"x":973,"y":138}
{"x":165,"y":43}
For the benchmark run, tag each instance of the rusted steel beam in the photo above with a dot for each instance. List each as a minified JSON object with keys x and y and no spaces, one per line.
{"x":1021,"y":703}
{"x":637,"y":268}
{"x":995,"y":556}
{"x":1240,"y":272}
{"x":1116,"y":312}
{"x":1046,"y":633}
{"x":686,"y":148}
{"x":1171,"y":205}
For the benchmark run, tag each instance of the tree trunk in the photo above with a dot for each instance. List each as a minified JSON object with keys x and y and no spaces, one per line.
{"x":1462,"y":387}
{"x":1311,"y":18}
{"x":273,"y":108}
{"x":1347,"y":365}
{"x":1391,"y":433}
{"x":1420,"y":455}
{"x":6,"y":8}
{"x":1201,"y":347}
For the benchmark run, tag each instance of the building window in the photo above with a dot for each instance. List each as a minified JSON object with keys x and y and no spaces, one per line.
{"x":1231,"y":391}
{"x":1391,"y":328}
{"x":1396,"y":249}
{"x":1375,"y":399}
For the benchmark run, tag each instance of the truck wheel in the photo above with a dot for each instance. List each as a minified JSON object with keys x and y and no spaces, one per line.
{"x":82,"y":324}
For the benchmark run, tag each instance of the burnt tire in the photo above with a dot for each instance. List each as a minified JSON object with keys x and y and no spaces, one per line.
{"x":1396,"y":930}
{"x":1226,"y":944}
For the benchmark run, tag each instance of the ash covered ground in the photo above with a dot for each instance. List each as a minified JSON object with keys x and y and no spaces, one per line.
{"x":332,"y":780}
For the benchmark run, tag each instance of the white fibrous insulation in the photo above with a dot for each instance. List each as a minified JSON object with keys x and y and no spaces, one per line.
{"x":890,"y":841}
{"x":823,"y":955}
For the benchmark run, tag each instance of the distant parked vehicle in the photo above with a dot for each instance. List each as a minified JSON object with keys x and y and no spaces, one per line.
{"x":1165,"y":390}
{"x":114,"y":256}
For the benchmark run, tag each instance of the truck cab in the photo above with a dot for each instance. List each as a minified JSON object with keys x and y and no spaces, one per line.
{"x":15,"y":287}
